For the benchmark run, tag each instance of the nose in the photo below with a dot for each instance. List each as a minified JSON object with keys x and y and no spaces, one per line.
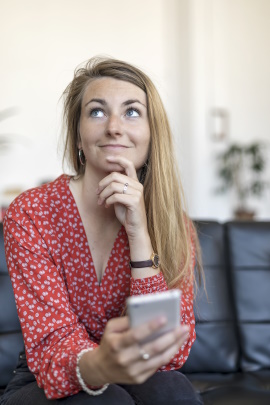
{"x":114,"y":125}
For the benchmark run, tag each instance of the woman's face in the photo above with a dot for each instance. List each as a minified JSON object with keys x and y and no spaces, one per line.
{"x":113,"y":122}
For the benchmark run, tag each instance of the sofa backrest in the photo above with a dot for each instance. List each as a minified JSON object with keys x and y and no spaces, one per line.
{"x":249,"y":253}
{"x":216,"y":347}
{"x":11,"y":341}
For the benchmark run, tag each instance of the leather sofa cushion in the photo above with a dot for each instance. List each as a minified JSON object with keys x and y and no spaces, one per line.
{"x":236,"y":395}
{"x":10,"y":346}
{"x":11,"y":341}
{"x":216,"y":348}
{"x":248,"y":244}
{"x":263,"y":378}
{"x":9,"y":320}
{"x":206,"y":381}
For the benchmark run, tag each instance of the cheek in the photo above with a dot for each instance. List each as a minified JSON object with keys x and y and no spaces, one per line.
{"x":147,"y":140}
{"x":143,"y":134}
{"x":145,"y":145}
{"x":88,"y":132}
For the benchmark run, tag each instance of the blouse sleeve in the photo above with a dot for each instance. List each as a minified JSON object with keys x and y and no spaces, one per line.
{"x":158,"y":283}
{"x":53,"y":334}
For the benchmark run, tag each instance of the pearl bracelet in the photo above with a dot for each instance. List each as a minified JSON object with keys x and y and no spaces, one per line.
{"x":82,"y":383}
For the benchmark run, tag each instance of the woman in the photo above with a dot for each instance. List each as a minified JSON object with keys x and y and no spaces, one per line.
{"x":76,"y":248}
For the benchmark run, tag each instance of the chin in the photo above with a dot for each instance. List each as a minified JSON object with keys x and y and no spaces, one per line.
{"x":114,"y":167}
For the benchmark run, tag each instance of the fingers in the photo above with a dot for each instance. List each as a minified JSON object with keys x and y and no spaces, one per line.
{"x":139,"y":334}
{"x":143,"y":360}
{"x":119,"y":180}
{"x":162,"y":349}
{"x":118,"y":188}
{"x":131,"y":338}
{"x":142,"y":332}
{"x":129,"y":174}
{"x":168,"y":343}
{"x":118,"y":325}
{"x":126,"y":164}
{"x":158,"y":353}
{"x":131,"y":361}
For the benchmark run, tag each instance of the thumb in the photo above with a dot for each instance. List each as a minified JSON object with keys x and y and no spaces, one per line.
{"x":117,"y":325}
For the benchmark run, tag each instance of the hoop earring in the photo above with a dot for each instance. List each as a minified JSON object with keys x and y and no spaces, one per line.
{"x":81,"y":157}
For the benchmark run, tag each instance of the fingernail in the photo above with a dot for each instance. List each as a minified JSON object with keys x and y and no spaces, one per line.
{"x":162,"y":320}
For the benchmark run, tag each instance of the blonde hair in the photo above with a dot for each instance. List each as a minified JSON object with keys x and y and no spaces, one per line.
{"x":169,"y":228}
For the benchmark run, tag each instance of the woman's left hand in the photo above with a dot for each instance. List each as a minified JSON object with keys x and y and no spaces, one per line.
{"x":125,"y":192}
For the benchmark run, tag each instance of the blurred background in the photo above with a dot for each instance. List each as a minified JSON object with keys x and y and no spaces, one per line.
{"x":209,"y":59}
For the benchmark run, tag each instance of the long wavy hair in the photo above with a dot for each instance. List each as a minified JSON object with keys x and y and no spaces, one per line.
{"x":170,"y":229}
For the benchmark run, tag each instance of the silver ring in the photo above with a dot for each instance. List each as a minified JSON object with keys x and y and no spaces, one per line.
{"x":125,"y":188}
{"x":145,"y":356}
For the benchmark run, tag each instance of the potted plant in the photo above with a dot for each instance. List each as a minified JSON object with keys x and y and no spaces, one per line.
{"x":241,"y":169}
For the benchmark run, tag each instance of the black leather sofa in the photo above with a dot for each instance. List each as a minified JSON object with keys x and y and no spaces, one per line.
{"x":11,"y":341}
{"x":230,"y":360}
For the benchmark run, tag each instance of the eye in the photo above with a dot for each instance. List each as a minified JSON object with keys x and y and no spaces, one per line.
{"x":97,"y":113}
{"x":132,"y":112}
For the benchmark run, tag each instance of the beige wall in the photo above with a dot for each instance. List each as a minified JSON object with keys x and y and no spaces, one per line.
{"x":42,"y":43}
{"x":229,"y":69}
{"x":200,"y":53}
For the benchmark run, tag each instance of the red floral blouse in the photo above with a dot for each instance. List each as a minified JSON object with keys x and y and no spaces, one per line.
{"x":61,"y":306}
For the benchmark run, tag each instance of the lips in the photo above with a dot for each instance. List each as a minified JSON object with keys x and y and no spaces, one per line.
{"x":109,"y":145}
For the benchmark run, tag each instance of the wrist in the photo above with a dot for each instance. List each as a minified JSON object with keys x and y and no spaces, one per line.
{"x":153,"y":262}
{"x":145,"y":268}
{"x":140,"y":248}
{"x":144,"y":272}
{"x":89,"y":368}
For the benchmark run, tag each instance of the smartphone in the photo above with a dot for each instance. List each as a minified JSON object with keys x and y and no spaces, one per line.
{"x":144,"y":308}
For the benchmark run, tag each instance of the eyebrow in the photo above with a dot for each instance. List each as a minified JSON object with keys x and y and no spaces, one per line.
{"x":103,"y":102}
{"x":134,"y":100}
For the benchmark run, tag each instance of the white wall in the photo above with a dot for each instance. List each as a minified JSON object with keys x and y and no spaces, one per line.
{"x":41,"y":44}
{"x":229,"y":69}
{"x":200,"y":54}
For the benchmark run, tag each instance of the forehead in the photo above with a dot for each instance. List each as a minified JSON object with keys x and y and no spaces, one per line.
{"x":109,"y":88}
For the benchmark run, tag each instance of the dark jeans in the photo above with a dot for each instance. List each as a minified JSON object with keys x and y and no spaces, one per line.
{"x":167,"y":387}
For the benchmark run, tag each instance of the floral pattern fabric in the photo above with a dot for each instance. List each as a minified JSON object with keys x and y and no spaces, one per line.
{"x":61,"y":306}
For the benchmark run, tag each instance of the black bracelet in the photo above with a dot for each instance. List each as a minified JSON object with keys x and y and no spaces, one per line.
{"x":154,"y":262}
{"x":140,"y":265}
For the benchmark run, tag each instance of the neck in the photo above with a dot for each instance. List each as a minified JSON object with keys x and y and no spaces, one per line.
{"x":84,"y":188}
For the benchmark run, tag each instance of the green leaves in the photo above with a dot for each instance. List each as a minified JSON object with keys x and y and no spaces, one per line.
{"x":240,"y":168}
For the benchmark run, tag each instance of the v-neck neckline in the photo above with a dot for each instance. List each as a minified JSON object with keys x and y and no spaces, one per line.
{"x":92,"y":268}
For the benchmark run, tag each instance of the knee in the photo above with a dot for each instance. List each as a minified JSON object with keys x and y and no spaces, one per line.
{"x":174,"y":388}
{"x":117,"y":395}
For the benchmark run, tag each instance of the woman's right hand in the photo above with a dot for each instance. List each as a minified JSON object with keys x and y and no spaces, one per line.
{"x":118,"y":359}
